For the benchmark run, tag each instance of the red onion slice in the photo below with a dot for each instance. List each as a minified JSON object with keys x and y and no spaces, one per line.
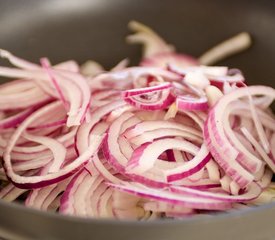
{"x":154,"y":125}
{"x":191,"y":104}
{"x":194,"y":165}
{"x":162,"y":60}
{"x":84,"y":130}
{"x":40,"y":181}
{"x":139,"y":162}
{"x":152,"y":102}
{"x":47,"y":66}
{"x":172,"y":198}
{"x":152,"y":42}
{"x":137,"y":91}
{"x":57,"y":149}
{"x":252,"y":192}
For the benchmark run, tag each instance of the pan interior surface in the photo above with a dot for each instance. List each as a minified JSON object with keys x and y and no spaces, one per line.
{"x":96,"y":29}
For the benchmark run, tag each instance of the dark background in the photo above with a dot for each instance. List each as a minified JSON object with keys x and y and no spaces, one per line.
{"x":96,"y":29}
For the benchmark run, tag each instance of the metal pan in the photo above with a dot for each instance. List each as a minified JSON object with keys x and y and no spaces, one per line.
{"x":85,"y":29}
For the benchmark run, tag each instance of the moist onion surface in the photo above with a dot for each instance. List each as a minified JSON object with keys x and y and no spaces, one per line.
{"x":171,"y":138}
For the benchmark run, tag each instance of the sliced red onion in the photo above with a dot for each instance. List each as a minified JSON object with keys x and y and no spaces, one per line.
{"x":84,"y":130}
{"x":91,"y":68}
{"x":170,"y":210}
{"x":258,"y":147}
{"x":104,"y":205}
{"x":245,"y":158}
{"x":11,"y":193}
{"x":196,"y":79}
{"x":258,"y":125}
{"x":43,"y":198}
{"x":111,"y":149}
{"x":162,"y":60}
{"x":40,"y":181}
{"x":266,"y":179}
{"x":191,"y":104}
{"x":213,"y":95}
{"x":103,"y":97}
{"x":69,"y":65}
{"x":213,"y":170}
{"x":205,"y":70}
{"x":79,"y":98}
{"x":215,"y":117}
{"x":104,"y":171}
{"x":57,"y":149}
{"x":47,"y":66}
{"x":57,"y":123}
{"x":272,"y":144}
{"x":191,"y":167}
{"x":117,"y":153}
{"x":66,"y":200}
{"x":172,"y":198}
{"x":253,"y":191}
{"x":152,"y":42}
{"x":126,"y":206}
{"x":203,"y":76}
{"x":227,"y":48}
{"x":121,"y":65}
{"x":16,"y":119}
{"x":24,"y":99}
{"x":154,"y":125}
{"x":168,"y":139}
{"x":16,"y":61}
{"x":139,"y":162}
{"x":232,"y":167}
{"x":87,"y":195}
{"x":136,"y":91}
{"x":149,"y":136}
{"x":158,"y":101}
{"x":124,"y":79}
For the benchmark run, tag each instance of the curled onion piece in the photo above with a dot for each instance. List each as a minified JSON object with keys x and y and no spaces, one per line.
{"x":44,"y":198}
{"x":202,"y":76}
{"x":152,"y":101}
{"x":253,"y":191}
{"x":156,"y":52}
{"x":172,"y":198}
{"x":152,"y":43}
{"x":190,"y":104}
{"x":135,"y":92}
{"x":11,"y":193}
{"x":14,"y":97}
{"x":79,"y":98}
{"x":139,"y":162}
{"x":125,"y":78}
{"x":164,"y":59}
{"x":99,"y":201}
{"x":57,"y":149}
{"x":214,"y":133}
{"x":40,"y":181}
{"x":231,"y":46}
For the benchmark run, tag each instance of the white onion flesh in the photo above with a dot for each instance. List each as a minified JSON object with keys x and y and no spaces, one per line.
{"x":168,"y":138}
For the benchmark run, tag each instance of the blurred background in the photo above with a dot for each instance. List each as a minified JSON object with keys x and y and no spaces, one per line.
{"x":96,"y":29}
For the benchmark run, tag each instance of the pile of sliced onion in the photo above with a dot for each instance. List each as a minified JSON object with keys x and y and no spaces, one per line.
{"x":169,"y":138}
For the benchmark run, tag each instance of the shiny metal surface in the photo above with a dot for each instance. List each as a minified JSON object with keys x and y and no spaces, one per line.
{"x":95,"y":29}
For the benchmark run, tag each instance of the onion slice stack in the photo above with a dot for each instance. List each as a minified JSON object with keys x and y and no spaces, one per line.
{"x":168,"y":138}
